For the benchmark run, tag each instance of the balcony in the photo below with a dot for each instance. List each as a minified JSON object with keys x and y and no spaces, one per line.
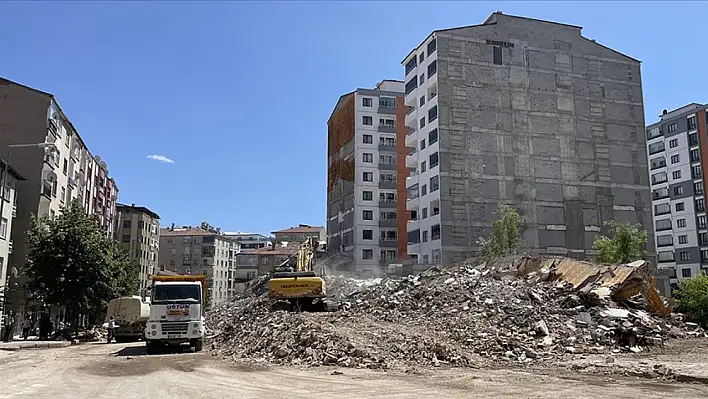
{"x":413,"y":248}
{"x":47,"y":189}
{"x":387,"y":184}
{"x":385,"y":222}
{"x":387,"y":147}
{"x":387,"y":243}
{"x":9,"y":247}
{"x":412,"y":160}
{"x":413,"y":204}
{"x":387,"y":203}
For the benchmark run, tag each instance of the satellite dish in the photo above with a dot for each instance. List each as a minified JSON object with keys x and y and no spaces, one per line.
{"x":13,"y":272}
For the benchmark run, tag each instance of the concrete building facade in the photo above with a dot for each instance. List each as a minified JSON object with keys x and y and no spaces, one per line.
{"x":366,"y":195}
{"x":11,"y":179}
{"x":249,"y":241}
{"x":56,"y":175}
{"x":138,"y":231}
{"x":298,"y":234}
{"x":677,"y":148}
{"x":528,"y":113}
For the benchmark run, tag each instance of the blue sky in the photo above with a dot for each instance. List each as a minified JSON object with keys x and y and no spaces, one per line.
{"x":238,"y":93}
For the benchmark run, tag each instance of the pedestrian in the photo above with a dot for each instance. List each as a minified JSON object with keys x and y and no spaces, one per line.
{"x":111,"y":329}
{"x":26,"y":326}
{"x":9,"y":326}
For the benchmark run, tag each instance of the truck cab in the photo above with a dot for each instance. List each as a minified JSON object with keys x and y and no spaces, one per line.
{"x":176,"y":312}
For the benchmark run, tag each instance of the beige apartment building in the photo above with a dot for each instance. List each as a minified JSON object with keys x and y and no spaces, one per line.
{"x":299,"y":234}
{"x":10,"y":178}
{"x":195,"y":250}
{"x":138,"y":231}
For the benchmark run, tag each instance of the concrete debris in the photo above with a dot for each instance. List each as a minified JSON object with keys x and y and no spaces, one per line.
{"x":473,"y":314}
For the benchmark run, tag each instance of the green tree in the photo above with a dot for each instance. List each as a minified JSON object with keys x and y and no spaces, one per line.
{"x":691,"y":297}
{"x":625,"y":243}
{"x":72,"y":263}
{"x":505,"y":238}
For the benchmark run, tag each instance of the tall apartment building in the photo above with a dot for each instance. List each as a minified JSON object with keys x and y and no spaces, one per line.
{"x":138,"y":231}
{"x":193,"y":250}
{"x":10,"y":177}
{"x":677,"y":147}
{"x":366,"y":195}
{"x":55,"y":175}
{"x":523,"y":112}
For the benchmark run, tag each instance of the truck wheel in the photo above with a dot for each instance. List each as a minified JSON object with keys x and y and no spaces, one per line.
{"x":150,"y":348}
{"x":198,"y":345}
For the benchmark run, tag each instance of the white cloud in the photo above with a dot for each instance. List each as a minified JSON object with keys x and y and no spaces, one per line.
{"x":160,"y":158}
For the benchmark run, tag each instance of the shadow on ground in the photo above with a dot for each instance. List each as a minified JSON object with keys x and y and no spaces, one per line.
{"x":141,"y":351}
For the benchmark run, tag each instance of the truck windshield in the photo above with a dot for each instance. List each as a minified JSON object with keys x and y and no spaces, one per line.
{"x":176,"y":294}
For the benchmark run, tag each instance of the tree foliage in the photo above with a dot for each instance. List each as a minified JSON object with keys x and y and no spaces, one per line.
{"x":72,"y":263}
{"x":692,"y":299}
{"x":505,"y":238}
{"x":625,"y":243}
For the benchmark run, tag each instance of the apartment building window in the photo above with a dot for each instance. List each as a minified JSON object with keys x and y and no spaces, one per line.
{"x":422,"y":167}
{"x":673,"y":143}
{"x":681,"y":223}
{"x":434,"y":184}
{"x":702,"y":239}
{"x":434,"y":159}
{"x":663,"y":224}
{"x":387,"y":102}
{"x":423,"y":190}
{"x":654,"y":132}
{"x":424,"y":213}
{"x":126,"y":238}
{"x":422,"y":144}
{"x":425,"y":235}
{"x":421,"y":57}
{"x":691,"y":123}
{"x":172,"y":262}
{"x":672,"y":127}
{"x":700,"y":205}
{"x":693,"y":139}
{"x":367,"y":215}
{"x":685,"y":255}
{"x":662,"y":209}
{"x":422,"y":101}
{"x":695,"y":155}
{"x":387,"y":159}
{"x":388,"y":215}
{"x":411,"y":65}
{"x":701,"y":222}
{"x":698,"y":188}
{"x":656,"y":147}
{"x":387,"y":122}
{"x":367,"y":234}
{"x":387,"y":197}
{"x":3,"y":229}
{"x":66,"y":167}
{"x":680,"y":207}
{"x":435,"y":232}
{"x":368,"y":176}
{"x":433,"y":136}
{"x":434,"y":209}
{"x":387,"y":141}
{"x":368,"y":139}
{"x":173,"y":251}
{"x":126,"y":224}
{"x":656,"y":163}
{"x":665,"y":256}
{"x":412,"y":84}
{"x":367,"y":120}
{"x":696,"y":171}
{"x":664,"y":241}
{"x":432,"y":68}
{"x":686,"y":272}
{"x":674,"y":159}
{"x":422,"y":122}
{"x":368,"y":158}
{"x":432,"y":46}
{"x":368,"y":195}
{"x":497,"y":55}
{"x":366,"y":102}
{"x":683,"y":239}
{"x":422,"y":79}
{"x":676,"y":174}
{"x":660,"y":177}
{"x":660,"y":193}
{"x":389,"y":235}
{"x":678,"y":190}
{"x":433,"y":114}
{"x":387,"y":178}
{"x":367,"y":254}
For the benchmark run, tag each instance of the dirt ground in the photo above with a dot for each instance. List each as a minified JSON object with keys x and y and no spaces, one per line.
{"x":106,"y":371}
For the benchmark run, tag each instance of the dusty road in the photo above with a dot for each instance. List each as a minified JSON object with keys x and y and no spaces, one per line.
{"x":108,"y":371}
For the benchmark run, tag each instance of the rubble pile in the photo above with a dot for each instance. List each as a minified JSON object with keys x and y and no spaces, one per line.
{"x":522,"y":312}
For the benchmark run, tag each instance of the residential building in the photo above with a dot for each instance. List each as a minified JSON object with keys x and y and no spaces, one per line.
{"x":55,"y":175}
{"x":138,"y":231}
{"x":198,"y":251}
{"x":299,"y":234}
{"x":366,"y":193}
{"x":269,"y":258}
{"x":10,"y":177}
{"x":677,"y":147}
{"x":523,"y":112}
{"x":249,"y":241}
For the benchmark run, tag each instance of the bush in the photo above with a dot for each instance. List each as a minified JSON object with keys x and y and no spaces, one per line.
{"x":692,"y":299}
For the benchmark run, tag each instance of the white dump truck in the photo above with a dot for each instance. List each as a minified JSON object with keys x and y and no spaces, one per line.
{"x":176,"y":312}
{"x":131,"y":315}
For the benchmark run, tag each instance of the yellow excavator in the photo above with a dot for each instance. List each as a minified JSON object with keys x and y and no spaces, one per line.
{"x":295,"y":285}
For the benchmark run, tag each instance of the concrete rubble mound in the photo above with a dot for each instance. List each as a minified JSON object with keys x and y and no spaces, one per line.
{"x":516,"y":311}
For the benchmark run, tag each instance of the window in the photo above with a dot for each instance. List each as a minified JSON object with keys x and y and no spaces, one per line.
{"x":425,"y":213}
{"x":126,"y":237}
{"x":685,"y":255}
{"x":654,"y":132}
{"x":664,"y":224}
{"x":411,"y":65}
{"x":435,"y":232}
{"x":422,"y":144}
{"x":680,"y":207}
{"x":422,"y":167}
{"x":656,"y":147}
{"x":431,"y":47}
{"x":388,"y":215}
{"x":421,"y":79}
{"x":421,"y":57}
{"x":368,"y":196}
{"x":663,"y":241}
{"x":695,"y":156}
{"x":676,"y":174}
{"x":368,"y":215}
{"x":387,"y":122}
{"x":678,"y":190}
{"x":367,"y":120}
{"x":672,"y":127}
{"x":434,"y":209}
{"x":696,"y":171}
{"x":387,"y":159}
{"x":691,"y":123}
{"x":434,"y":160}
{"x":433,"y":114}
{"x":686,"y":272}
{"x":387,"y":197}
{"x":700,"y":205}
{"x":412,"y":84}
{"x":126,"y":224}
{"x":683,"y":239}
{"x":434,"y":184}
{"x":3,"y":229}
{"x":422,"y":101}
{"x":367,"y":234}
{"x":656,"y":163}
{"x":432,"y":68}
{"x":422,"y":122}
{"x":666,"y":256}
{"x":367,"y":254}
{"x":659,"y":178}
{"x":662,"y":209}
{"x":693,"y":139}
{"x":701,"y":222}
{"x":66,"y":167}
{"x":387,"y":102}
{"x":673,"y":143}
{"x":366,"y":102}
{"x":681,"y":223}
{"x":387,"y":178}
{"x":368,"y":158}
{"x":497,"y":55}
{"x":387,"y":141}
{"x":425,"y":235}
{"x":698,"y":188}
{"x":368,"y":176}
{"x":424,"y":190}
{"x":660,"y":193}
{"x":368,"y":139}
{"x":674,"y":159}
{"x":702,"y":239}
